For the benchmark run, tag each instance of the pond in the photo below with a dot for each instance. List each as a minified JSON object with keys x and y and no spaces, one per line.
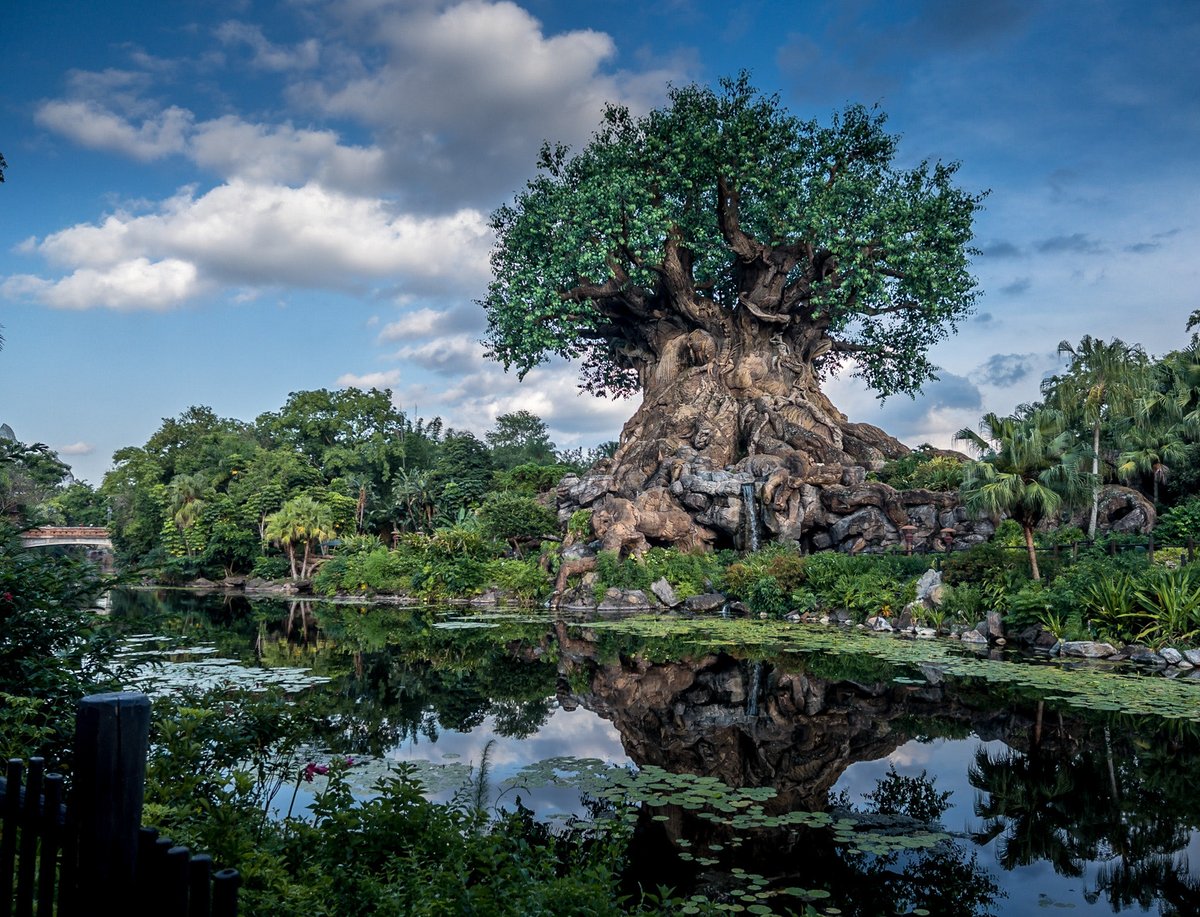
{"x":763,"y":764}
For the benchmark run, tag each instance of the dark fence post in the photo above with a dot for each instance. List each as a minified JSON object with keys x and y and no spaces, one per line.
{"x":225,"y":893}
{"x":51,"y":840}
{"x":200,"y":880}
{"x":111,"y":736}
{"x":29,"y":836}
{"x":8,"y":845}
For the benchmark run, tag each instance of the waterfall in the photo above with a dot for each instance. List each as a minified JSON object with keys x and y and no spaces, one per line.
{"x":755,"y":689}
{"x":750,"y":518}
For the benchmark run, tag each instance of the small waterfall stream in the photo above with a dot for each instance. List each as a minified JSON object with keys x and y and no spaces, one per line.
{"x":756,"y":675}
{"x":750,"y":518}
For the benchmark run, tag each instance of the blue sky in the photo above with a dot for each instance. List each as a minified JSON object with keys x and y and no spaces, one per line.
{"x":219,"y":203}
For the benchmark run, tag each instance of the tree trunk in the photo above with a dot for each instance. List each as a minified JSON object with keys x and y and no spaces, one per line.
{"x":291,"y":553}
{"x":742,"y":398}
{"x":1092,"y":520}
{"x":1033,"y":564}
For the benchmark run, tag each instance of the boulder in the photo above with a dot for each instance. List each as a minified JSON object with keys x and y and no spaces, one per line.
{"x":1088,"y":649}
{"x":878,"y":623}
{"x":664,"y":592}
{"x":708,"y":601}
{"x":925,"y":585}
{"x":1171,"y":656}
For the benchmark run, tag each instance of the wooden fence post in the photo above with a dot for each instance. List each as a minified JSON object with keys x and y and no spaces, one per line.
{"x":111,"y":736}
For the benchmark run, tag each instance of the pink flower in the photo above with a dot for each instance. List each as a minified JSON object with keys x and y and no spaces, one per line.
{"x":349,"y":761}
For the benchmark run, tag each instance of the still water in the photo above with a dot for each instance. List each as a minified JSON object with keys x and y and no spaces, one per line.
{"x":979,"y":795}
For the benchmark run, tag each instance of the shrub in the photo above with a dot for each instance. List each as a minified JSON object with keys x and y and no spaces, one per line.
{"x":1180,"y":523}
{"x":516,"y":518}
{"x":530,"y":479}
{"x":272,"y":567}
{"x":523,"y":579}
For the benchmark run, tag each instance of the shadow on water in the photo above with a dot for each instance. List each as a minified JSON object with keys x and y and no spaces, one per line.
{"x":1022,"y":804}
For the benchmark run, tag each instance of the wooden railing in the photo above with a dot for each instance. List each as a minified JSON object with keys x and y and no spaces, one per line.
{"x":88,"y":854}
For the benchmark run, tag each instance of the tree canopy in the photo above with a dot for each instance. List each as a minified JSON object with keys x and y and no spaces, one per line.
{"x":721,"y":210}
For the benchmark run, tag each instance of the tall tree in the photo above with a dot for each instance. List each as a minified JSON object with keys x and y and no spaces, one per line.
{"x":518,"y":438}
{"x":1102,"y":379}
{"x":721,"y":257}
{"x":1028,"y":470}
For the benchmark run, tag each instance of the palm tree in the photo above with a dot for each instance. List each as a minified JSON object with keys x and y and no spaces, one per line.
{"x":301,"y":521}
{"x":186,"y":493}
{"x":1028,"y":470}
{"x":415,"y":499}
{"x":1151,"y":451}
{"x":1102,"y":380}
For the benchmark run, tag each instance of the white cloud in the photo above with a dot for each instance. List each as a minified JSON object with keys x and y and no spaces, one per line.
{"x":243,"y":233}
{"x":370,"y":380}
{"x":92,"y":125}
{"x":450,"y":354}
{"x":133,"y":284}
{"x":465,"y":95}
{"x":232,"y":147}
{"x":268,"y":55}
{"x":79,"y":448}
{"x":420,"y":323}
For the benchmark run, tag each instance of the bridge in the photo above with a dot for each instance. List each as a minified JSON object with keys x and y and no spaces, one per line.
{"x":94,"y":536}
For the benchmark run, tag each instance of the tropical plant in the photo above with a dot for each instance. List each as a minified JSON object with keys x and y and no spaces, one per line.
{"x":1028,"y":469}
{"x":301,"y":523}
{"x":1102,"y":379}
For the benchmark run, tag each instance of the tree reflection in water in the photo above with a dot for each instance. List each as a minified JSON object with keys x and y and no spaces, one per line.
{"x":1108,"y":791}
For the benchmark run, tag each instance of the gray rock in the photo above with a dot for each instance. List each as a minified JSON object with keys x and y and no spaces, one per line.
{"x":1145,"y":655}
{"x":974,"y":636}
{"x":1088,"y":649}
{"x":995,"y":626}
{"x":664,"y":593}
{"x":1192,"y":656}
{"x":708,"y":601}
{"x":925,"y":584}
{"x":878,"y":624}
{"x":1171,"y":656}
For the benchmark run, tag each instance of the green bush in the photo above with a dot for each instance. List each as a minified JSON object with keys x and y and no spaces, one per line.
{"x":521,"y":578}
{"x":530,"y":479}
{"x":1179,"y":523}
{"x":271,"y":567}
{"x":515,"y":518}
{"x":53,"y":649}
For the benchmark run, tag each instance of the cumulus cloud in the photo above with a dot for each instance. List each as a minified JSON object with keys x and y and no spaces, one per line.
{"x":1004,"y":369}
{"x":266,"y":54}
{"x":465,"y":95}
{"x":426,"y":322}
{"x":92,"y":125}
{"x":1076,"y":243}
{"x":254,"y":234}
{"x":386,"y":379}
{"x":128,"y":285}
{"x":944,"y":407}
{"x":78,"y":448}
{"x":451,"y":355}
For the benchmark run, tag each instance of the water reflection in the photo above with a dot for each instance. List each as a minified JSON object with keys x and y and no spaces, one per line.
{"x":1046,"y":807}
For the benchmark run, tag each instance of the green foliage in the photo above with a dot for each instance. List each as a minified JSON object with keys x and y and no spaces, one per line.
{"x":1180,"y":523}
{"x":520,"y":578}
{"x":270,"y":567}
{"x":922,"y":468}
{"x":1029,"y":470}
{"x":52,"y":649}
{"x":219,"y":763}
{"x":520,"y":438}
{"x":364,"y":571}
{"x":584,"y":248}
{"x":530,"y":478}
{"x":580,"y":524}
{"x":516,"y":518}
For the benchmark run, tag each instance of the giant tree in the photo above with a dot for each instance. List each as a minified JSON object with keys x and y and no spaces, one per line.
{"x":721,"y":257}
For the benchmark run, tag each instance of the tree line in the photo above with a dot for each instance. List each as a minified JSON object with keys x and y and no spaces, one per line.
{"x":208,"y":495}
